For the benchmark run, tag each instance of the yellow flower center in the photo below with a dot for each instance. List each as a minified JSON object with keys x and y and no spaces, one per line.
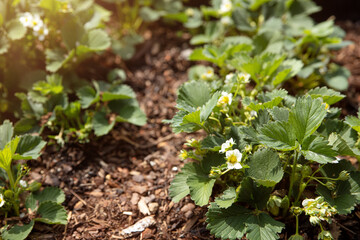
{"x":224,"y":100}
{"x":232,"y":159}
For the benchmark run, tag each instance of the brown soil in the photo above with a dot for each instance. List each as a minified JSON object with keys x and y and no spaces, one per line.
{"x":109,"y":180}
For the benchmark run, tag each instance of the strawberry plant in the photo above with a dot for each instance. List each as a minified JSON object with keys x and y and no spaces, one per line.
{"x":40,"y":206}
{"x":97,"y":109}
{"x":266,"y":159}
{"x":282,"y":28}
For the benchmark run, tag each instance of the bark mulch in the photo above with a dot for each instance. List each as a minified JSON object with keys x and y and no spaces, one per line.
{"x":114,"y":181}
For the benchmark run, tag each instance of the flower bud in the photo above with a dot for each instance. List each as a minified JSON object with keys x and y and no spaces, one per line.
{"x":9,"y":194}
{"x":314,"y":220}
{"x":296,"y":210}
{"x":306,"y":171}
{"x":330,"y":185}
{"x":34,"y":186}
{"x":344,"y":175}
{"x":325,"y":235}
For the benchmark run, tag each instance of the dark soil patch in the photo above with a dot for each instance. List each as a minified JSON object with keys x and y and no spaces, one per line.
{"x":109,"y":180}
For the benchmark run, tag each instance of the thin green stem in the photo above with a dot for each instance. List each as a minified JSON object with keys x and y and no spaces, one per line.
{"x":292,"y":179}
{"x":297,"y":225}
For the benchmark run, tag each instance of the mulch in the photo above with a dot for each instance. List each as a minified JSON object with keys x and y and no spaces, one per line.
{"x":114,"y":181}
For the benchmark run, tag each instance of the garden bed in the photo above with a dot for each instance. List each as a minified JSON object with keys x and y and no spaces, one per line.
{"x":110,"y":183}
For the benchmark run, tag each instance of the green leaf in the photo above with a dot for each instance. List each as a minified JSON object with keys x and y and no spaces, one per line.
{"x":227,"y":223}
{"x":200,"y":186}
{"x":333,"y":170}
{"x":212,"y":143}
{"x":265,"y":168}
{"x":279,"y":114}
{"x":52,"y":5}
{"x":253,"y":194}
{"x":306,"y":116}
{"x":341,"y":146}
{"x":15,"y":30}
{"x":255,"y":4}
{"x":149,"y":15}
{"x":101,"y":124}
{"x":193,"y":94}
{"x":328,"y":95}
{"x":338,"y":78}
{"x":353,"y":122}
{"x":263,"y":227}
{"x":98,"y":40}
{"x":341,"y":198}
{"x":227,"y":198}
{"x":278,"y":135}
{"x":87,"y":96}
{"x":118,"y":92}
{"x":30,"y":147}
{"x":192,"y":118}
{"x":179,"y":188}
{"x":128,"y":110}
{"x":341,"y":128}
{"x":18,"y":232}
{"x":52,"y":194}
{"x":52,"y":213}
{"x":6,"y":133}
{"x":207,"y":109}
{"x":56,"y":58}
{"x":72,"y":33}
{"x":355,"y":185}
{"x":266,"y":105}
{"x":317,"y":149}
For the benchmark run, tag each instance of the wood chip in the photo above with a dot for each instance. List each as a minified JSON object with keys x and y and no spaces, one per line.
{"x":138,"y":227}
{"x":143,"y":208}
{"x":189,"y":224}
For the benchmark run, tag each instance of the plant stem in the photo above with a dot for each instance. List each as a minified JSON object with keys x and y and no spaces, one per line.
{"x":292,"y":179}
{"x":297,"y":225}
{"x":13,"y":189}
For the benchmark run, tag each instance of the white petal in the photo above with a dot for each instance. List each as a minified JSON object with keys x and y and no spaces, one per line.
{"x":237,"y":166}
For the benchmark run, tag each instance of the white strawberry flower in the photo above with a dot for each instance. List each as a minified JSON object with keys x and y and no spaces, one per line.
{"x":37,"y":23}
{"x":26,"y":19}
{"x":225,"y":6}
{"x":208,"y":75}
{"x":225,"y":99}
{"x":42,"y":33}
{"x":2,"y":201}
{"x":227,"y":145}
{"x":233,"y":158}
{"x":307,"y":202}
{"x":23,"y":183}
{"x":228,"y":78}
{"x":226,"y":21}
{"x":244,"y":77}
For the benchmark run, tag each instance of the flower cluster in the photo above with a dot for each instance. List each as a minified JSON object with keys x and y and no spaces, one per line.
{"x":233,"y":157}
{"x":36,"y":24}
{"x":318,"y":210}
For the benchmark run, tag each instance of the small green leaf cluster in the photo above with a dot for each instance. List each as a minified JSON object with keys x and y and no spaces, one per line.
{"x":262,"y":152}
{"x":97,"y":108}
{"x":260,"y":37}
{"x":47,"y":36}
{"x":40,"y":206}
